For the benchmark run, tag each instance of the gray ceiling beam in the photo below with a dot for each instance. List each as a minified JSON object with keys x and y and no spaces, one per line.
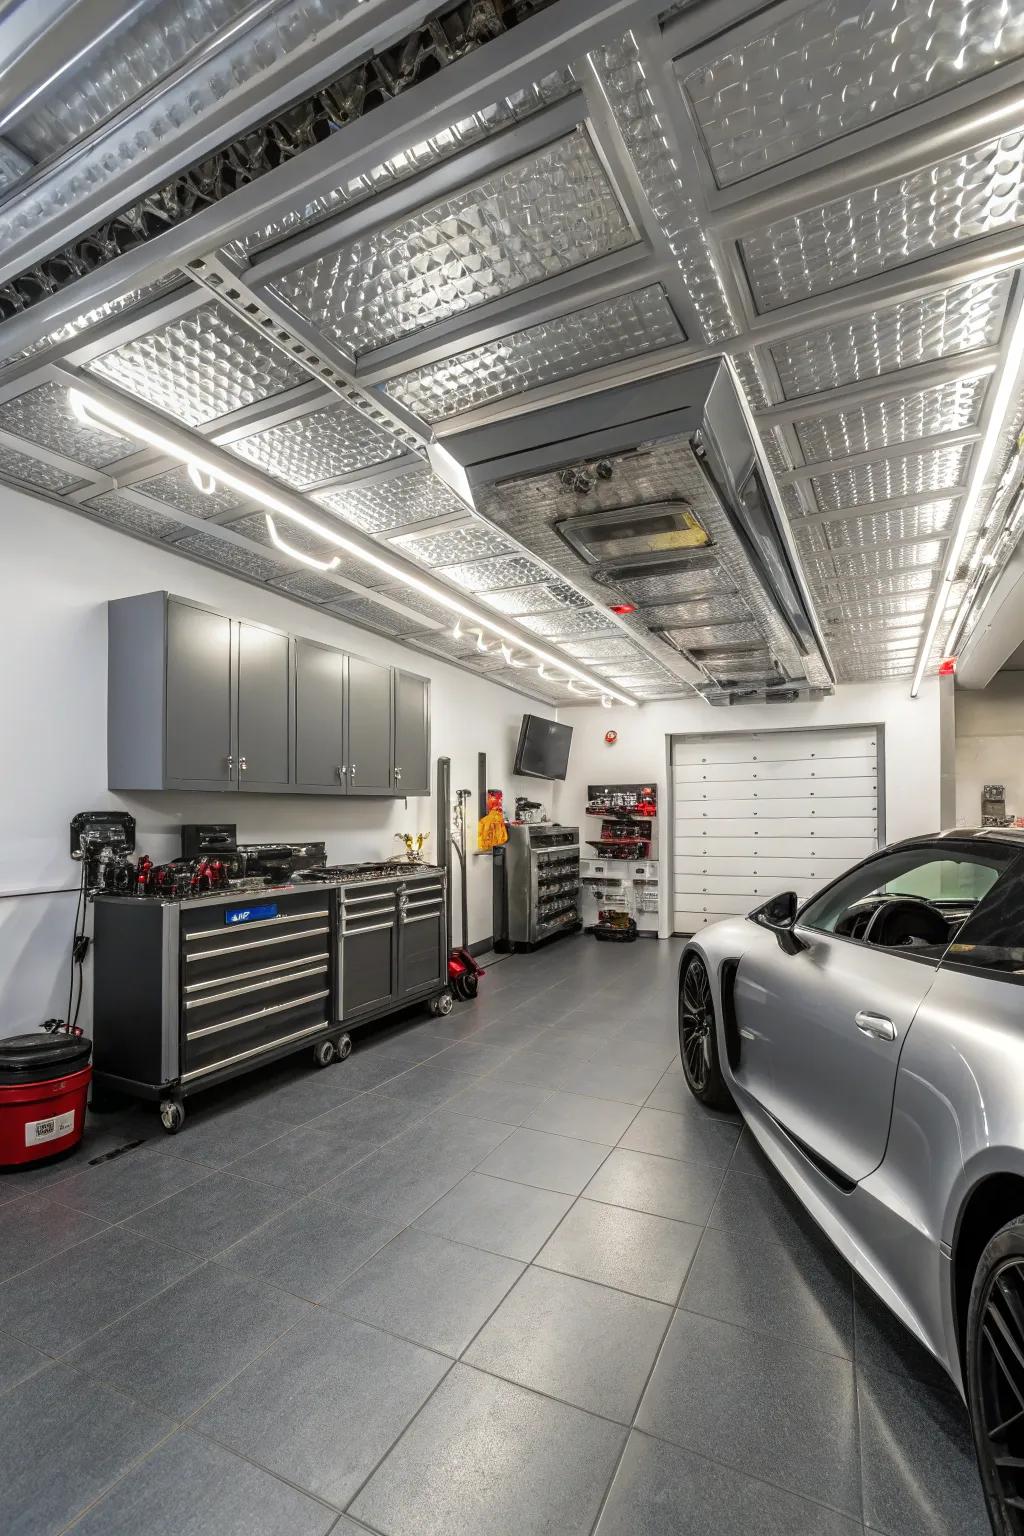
{"x":980,"y":363}
{"x":875,"y":455}
{"x":870,"y":508}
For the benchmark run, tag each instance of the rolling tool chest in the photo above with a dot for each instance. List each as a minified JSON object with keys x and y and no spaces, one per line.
{"x":392,"y":944}
{"x":536,"y":884}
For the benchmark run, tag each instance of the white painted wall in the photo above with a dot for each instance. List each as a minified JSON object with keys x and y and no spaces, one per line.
{"x":911,"y":749}
{"x":990,"y":745}
{"x":57,"y":571}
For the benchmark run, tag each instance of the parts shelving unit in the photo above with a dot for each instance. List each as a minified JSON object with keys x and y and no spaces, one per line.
{"x":620,"y":874}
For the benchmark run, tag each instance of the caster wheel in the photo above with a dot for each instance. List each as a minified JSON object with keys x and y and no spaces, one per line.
{"x":470,"y":987}
{"x":172,"y":1116}
{"x":442,"y":1005}
{"x":323,"y":1053}
{"x":344,"y":1047}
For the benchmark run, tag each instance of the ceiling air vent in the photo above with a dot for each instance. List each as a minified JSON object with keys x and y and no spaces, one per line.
{"x":627,"y":537}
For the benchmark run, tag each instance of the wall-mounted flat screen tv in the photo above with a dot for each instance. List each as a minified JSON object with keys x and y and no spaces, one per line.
{"x":543,"y":750}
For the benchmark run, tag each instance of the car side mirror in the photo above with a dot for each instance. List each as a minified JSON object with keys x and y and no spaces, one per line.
{"x":779,"y":915}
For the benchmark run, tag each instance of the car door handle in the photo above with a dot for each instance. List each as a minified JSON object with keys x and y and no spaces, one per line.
{"x":876,"y":1025}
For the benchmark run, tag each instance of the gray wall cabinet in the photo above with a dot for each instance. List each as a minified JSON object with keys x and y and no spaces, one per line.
{"x":198,"y":700}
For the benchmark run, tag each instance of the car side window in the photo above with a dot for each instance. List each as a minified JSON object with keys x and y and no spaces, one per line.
{"x":992,"y":938}
{"x":913,"y":899}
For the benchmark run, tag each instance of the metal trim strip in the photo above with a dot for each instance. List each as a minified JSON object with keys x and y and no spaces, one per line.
{"x":263,"y":922}
{"x":260,"y":1013}
{"x":262,"y":970}
{"x":259,"y":1050}
{"x":257,"y":986}
{"x":237,"y":949}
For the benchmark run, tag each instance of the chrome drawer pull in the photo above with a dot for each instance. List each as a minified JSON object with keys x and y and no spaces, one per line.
{"x":261,"y":970}
{"x":348,"y":933}
{"x":257,"y":1050}
{"x":351,"y":901}
{"x":357,"y":917}
{"x":256,"y":986}
{"x":425,"y":918}
{"x":259,"y":1013}
{"x":237,"y":949}
{"x":263,"y":922}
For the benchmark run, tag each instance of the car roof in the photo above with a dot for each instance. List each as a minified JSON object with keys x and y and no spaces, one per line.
{"x":1012,"y":835}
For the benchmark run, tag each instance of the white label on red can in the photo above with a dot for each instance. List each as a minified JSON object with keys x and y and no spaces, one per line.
{"x":49,"y":1130}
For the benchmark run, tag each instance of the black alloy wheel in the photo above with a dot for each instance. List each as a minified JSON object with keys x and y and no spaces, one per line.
{"x":995,"y":1369}
{"x":698,"y":1042}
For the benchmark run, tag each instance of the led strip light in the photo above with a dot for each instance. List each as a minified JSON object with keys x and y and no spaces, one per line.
{"x":94,"y":412}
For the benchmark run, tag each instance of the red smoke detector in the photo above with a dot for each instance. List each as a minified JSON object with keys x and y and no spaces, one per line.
{"x":622,"y":608}
{"x":947,"y":666}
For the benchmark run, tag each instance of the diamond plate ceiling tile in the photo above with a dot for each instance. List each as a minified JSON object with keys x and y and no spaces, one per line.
{"x":881,"y":608}
{"x":888,"y":479}
{"x":821,"y":72}
{"x":444,"y":643}
{"x":124,"y":513}
{"x":617,"y":649}
{"x":676,"y":585}
{"x":916,"y":330}
{"x":394,"y":501}
{"x":178,"y":490}
{"x":708,"y":610}
{"x":419,"y":603}
{"x":86,"y":320}
{"x":34,"y":474}
{"x":947,"y":407}
{"x":488,"y":575}
{"x":310,"y":585}
{"x":714,"y":635}
{"x":869,"y":231}
{"x":319,"y":446}
{"x":871,"y":562}
{"x":898,"y":584}
{"x":622,"y":327}
{"x":43,"y":416}
{"x":206,"y":546}
{"x":419,"y":157}
{"x":546,"y":599}
{"x":639,"y":667}
{"x":254,"y":527}
{"x":204,"y":365}
{"x":453,"y":546}
{"x":934,"y":517}
{"x":556,"y":626}
{"x":544,"y":214}
{"x":362,"y":610}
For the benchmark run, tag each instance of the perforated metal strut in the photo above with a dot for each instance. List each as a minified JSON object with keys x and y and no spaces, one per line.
{"x":450,"y":35}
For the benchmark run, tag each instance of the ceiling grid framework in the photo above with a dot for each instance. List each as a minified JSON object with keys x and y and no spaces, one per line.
{"x":829,"y":195}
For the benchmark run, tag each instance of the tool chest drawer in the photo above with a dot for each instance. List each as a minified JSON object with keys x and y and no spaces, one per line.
{"x":229,"y":943}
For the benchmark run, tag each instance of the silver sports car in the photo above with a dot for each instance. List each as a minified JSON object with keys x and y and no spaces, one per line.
{"x":873,"y":1040}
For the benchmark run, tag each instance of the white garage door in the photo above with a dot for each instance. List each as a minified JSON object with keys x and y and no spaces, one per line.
{"x":768,"y":812}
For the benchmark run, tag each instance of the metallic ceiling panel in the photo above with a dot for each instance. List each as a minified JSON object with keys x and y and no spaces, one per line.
{"x":544,"y":214}
{"x":254,"y":527}
{"x":444,"y":643}
{"x":711,"y":636}
{"x":547,"y":599}
{"x":821,"y":72}
{"x":674,"y":690}
{"x":417,"y":601}
{"x":451,"y":546}
{"x":317,"y":447}
{"x":362,"y":610}
{"x":775,"y":450}
{"x":888,"y":479}
{"x":637,"y":666}
{"x":624,"y":78}
{"x":86,"y":321}
{"x":309,"y":585}
{"x":894,"y":606}
{"x":849,"y":590}
{"x":206,"y":546}
{"x":420,"y":157}
{"x":750,"y":377}
{"x":869,"y":231}
{"x":708,"y":610}
{"x":629,"y":324}
{"x":617,"y":649}
{"x":126,"y":514}
{"x":565,"y":625}
{"x":871,"y":562}
{"x":393,"y":502}
{"x":916,"y":330}
{"x":676,"y":585}
{"x":204,"y":365}
{"x":43,"y":416}
{"x":488,"y":575}
{"x":34,"y":473}
{"x":933,"y":517}
{"x":878,"y":424}
{"x":177,"y":488}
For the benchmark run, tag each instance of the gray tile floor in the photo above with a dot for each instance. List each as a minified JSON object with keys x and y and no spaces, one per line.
{"x":495,"y":1274}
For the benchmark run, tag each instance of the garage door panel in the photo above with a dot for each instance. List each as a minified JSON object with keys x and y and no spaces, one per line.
{"x":772,"y":746}
{"x":785,"y":770}
{"x":848,"y":849}
{"x":754,"y":892}
{"x":763,"y":868}
{"x":857,"y":806}
{"x":691,"y":921}
{"x":758,"y":789}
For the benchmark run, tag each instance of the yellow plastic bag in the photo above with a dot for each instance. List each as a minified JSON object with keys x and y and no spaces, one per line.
{"x":491,"y":831}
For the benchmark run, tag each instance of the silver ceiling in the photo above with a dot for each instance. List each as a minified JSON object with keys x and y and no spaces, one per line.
{"x":322,"y":240}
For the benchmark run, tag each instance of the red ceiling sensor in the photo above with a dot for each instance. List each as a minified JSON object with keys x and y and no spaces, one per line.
{"x":622,"y":608}
{"x":947,"y":666}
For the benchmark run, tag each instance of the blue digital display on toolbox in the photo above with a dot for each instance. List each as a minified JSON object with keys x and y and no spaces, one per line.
{"x":251,"y":914}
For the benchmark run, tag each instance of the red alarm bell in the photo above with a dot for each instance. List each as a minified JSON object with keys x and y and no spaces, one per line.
{"x":611,"y":737}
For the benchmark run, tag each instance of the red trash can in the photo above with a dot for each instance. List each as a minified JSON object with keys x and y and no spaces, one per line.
{"x":44,"y":1084}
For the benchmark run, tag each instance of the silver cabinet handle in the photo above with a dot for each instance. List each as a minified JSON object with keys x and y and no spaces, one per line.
{"x":242,"y":765}
{"x":341,"y":772}
{"x":876,"y":1025}
{"x":398,"y":774}
{"x":231,"y":763}
{"x":352,"y":771}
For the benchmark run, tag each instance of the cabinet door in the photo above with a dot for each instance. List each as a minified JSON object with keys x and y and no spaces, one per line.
{"x":412,"y":734}
{"x":319,"y":717}
{"x":423,"y":960}
{"x":368,"y":963}
{"x":370,"y":728}
{"x":200,"y":751}
{"x":264,"y":704}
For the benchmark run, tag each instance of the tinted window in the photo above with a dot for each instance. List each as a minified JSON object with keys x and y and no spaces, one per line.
{"x":951,"y":880}
{"x":992,"y":938}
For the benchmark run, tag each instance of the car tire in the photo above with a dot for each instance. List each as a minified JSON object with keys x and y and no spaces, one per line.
{"x":698,"y":1037}
{"x":997,"y":1303}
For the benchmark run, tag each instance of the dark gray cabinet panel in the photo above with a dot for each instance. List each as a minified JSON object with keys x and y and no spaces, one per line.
{"x":368,"y":965}
{"x":412,"y":734}
{"x":199,"y":748}
{"x":370,"y":728}
{"x":319,"y":716}
{"x":422,"y":956}
{"x":264,"y":708}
